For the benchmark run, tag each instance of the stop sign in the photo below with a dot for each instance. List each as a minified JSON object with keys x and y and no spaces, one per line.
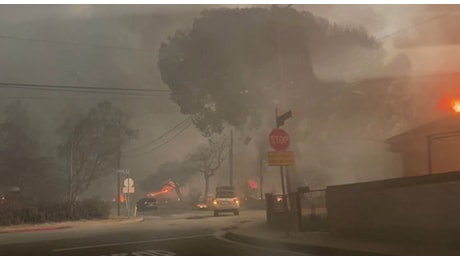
{"x":279,"y":139}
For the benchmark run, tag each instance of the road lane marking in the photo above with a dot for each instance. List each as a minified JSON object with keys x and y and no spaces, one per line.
{"x":130,"y":243}
{"x":156,"y":252}
{"x":153,"y":252}
{"x":220,"y":236}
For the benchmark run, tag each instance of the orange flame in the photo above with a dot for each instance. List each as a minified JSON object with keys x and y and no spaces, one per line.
{"x":252,"y":184}
{"x":456,"y":105}
{"x":122,"y":198}
{"x":165,"y":189}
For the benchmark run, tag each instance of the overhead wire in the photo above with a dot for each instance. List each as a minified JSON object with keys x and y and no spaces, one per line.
{"x":158,"y":138}
{"x":82,"y":89}
{"x":161,"y":145}
{"x":417,"y":24}
{"x":102,"y":46}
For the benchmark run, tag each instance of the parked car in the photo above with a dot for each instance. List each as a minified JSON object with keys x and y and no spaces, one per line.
{"x":145,"y":204}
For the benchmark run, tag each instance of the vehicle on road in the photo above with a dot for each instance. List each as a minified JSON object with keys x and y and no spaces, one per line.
{"x":146,"y":204}
{"x":226,"y":201}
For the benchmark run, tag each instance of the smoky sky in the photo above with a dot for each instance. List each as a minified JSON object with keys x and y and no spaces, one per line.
{"x":117,"y":46}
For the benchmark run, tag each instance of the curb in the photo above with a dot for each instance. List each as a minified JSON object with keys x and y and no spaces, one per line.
{"x":304,"y":248}
{"x":34,"y":229}
{"x":59,"y":226}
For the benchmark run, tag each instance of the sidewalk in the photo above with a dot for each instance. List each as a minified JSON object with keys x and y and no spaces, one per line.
{"x":67,"y":224}
{"x":321,"y":243}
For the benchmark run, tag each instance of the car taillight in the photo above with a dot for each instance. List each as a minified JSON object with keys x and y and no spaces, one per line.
{"x":214,"y":201}
{"x":235,"y":200}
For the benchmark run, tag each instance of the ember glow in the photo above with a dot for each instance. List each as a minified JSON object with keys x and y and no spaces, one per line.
{"x":456,"y":105}
{"x":122,"y":198}
{"x":165,"y":189}
{"x":252,"y":184}
{"x":450,"y":103}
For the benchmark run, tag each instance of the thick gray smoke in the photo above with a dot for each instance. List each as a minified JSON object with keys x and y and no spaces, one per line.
{"x":35,"y":49}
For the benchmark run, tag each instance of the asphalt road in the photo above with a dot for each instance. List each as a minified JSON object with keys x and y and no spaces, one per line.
{"x":163,"y":232}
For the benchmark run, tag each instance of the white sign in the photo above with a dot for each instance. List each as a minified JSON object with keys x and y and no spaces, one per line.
{"x":130,"y":190}
{"x":128,"y":185}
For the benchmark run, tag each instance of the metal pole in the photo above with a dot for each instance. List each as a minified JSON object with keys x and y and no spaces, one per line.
{"x":288,"y":179}
{"x":71,"y":171}
{"x":282,"y":180}
{"x":118,"y":186}
{"x":261,"y":177}
{"x":276,"y":117}
{"x":127,"y":194}
{"x":231,"y":157}
{"x":429,"y":154}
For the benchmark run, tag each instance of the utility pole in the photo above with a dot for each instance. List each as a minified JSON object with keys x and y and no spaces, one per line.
{"x":231,"y":158}
{"x":261,"y":177}
{"x":127,"y":195}
{"x":118,"y":173}
{"x":281,"y":167}
{"x":71,"y":170}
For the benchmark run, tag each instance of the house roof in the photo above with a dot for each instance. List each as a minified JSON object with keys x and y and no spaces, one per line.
{"x":441,"y":126}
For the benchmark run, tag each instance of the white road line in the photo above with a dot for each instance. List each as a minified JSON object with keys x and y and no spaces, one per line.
{"x":220,"y":235}
{"x":130,"y":243}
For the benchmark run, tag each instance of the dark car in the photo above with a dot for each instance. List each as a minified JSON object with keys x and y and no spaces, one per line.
{"x":147,"y":204}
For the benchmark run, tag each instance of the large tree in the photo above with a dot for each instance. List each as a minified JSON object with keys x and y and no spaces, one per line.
{"x":21,"y":165}
{"x":91,"y":144}
{"x":235,"y":64}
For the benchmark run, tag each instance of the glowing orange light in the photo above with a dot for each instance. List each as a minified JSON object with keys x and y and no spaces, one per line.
{"x":163,"y":190}
{"x":456,"y":105}
{"x":252,"y":184}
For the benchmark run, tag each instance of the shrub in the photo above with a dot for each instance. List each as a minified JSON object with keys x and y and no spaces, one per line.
{"x":13,"y":213}
{"x":92,"y":209}
{"x":10,"y":214}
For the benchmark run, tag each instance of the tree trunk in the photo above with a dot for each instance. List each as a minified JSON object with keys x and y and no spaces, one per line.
{"x":206,"y":187}
{"x":179,"y":194}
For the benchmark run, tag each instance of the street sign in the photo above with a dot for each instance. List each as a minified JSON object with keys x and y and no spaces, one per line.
{"x":281,"y":118}
{"x":128,"y":185}
{"x":279,"y":139}
{"x":130,"y":190}
{"x":281,"y":158}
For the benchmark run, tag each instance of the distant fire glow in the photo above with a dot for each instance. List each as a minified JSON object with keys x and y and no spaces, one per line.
{"x":450,"y":104}
{"x":456,"y":105}
{"x":252,"y":184}
{"x":122,"y":198}
{"x":165,"y":189}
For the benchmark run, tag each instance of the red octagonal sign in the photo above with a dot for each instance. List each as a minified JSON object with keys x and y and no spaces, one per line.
{"x":279,"y":139}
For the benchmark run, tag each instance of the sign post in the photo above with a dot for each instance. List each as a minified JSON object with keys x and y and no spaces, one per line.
{"x":127,"y":189}
{"x":279,"y":140}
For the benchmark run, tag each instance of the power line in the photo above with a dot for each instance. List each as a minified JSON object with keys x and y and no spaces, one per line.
{"x":159,"y":137}
{"x":9,"y":37}
{"x":163,"y":144}
{"x":9,"y":84}
{"x":417,"y":24}
{"x":84,"y":89}
{"x":356,"y":61}
{"x":136,"y":97}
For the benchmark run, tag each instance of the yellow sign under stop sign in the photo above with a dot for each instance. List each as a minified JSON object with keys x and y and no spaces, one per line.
{"x":281,"y":158}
